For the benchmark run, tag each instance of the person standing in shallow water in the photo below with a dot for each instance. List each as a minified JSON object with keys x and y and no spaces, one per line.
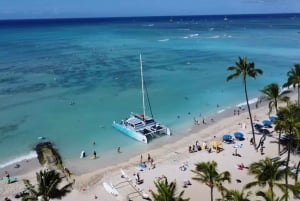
{"x":95,"y":154}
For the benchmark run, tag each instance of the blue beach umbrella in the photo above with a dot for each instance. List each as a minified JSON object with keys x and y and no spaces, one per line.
{"x":239,"y":135}
{"x":273,"y":118}
{"x":267,"y":122}
{"x":227,"y":137}
{"x":258,"y":126}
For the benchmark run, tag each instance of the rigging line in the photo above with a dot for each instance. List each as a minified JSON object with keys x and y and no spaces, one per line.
{"x":148,"y":99}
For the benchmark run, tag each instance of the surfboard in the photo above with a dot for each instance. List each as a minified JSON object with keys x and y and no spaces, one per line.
{"x":110,"y":189}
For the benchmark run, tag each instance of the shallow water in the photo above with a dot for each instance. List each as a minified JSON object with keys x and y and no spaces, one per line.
{"x":68,"y":81}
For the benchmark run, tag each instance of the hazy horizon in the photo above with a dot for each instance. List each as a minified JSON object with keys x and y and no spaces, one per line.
{"x":54,"y":9}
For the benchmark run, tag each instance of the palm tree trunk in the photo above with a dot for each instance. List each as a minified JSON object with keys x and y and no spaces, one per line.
{"x":275,"y":103}
{"x":250,"y":116}
{"x":298,"y":166}
{"x":287,"y":166}
{"x":298,"y":93}
{"x":271,"y":189}
{"x":279,"y":144}
{"x":211,"y":194}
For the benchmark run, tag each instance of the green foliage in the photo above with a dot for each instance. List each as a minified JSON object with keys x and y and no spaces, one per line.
{"x":47,"y":187}
{"x":206,"y":172}
{"x":269,"y":196}
{"x":273,"y":94}
{"x":294,"y":79}
{"x":167,"y":192}
{"x":235,"y":195}
{"x":244,"y":69}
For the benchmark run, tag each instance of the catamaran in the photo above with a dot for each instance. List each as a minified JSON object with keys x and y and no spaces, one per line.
{"x":140,"y":126}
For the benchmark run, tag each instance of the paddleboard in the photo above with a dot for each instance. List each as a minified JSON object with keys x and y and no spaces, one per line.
{"x":123,"y":173}
{"x":93,"y":157}
{"x":110,"y":189}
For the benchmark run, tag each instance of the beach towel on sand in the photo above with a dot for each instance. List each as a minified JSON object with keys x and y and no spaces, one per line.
{"x":11,"y":179}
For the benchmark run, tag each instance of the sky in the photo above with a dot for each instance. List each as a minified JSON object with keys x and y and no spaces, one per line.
{"x":24,"y":9}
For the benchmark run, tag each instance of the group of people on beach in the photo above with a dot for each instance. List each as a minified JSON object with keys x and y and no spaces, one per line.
{"x":196,"y":147}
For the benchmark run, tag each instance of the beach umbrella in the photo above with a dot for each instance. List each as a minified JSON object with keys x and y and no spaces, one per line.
{"x":267,"y":122}
{"x":227,"y":137}
{"x":273,"y":118}
{"x":258,"y":126}
{"x":265,"y":131}
{"x":215,"y":143}
{"x":239,"y":135}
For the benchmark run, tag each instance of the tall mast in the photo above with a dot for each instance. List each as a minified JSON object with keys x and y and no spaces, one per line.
{"x":143,"y":92}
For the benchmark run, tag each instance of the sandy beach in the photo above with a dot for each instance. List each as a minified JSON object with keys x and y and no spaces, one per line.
{"x":167,"y":159}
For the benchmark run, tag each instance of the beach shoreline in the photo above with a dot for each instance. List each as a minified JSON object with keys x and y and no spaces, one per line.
{"x":175,"y":152}
{"x":27,"y":165}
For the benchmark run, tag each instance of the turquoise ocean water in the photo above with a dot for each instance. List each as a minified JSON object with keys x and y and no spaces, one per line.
{"x":68,"y":80}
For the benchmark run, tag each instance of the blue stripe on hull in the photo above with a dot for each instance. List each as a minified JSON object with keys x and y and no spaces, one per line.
{"x":130,"y":133}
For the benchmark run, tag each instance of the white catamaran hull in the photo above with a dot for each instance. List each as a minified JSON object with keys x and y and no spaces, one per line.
{"x":131,"y":133}
{"x":140,"y":126}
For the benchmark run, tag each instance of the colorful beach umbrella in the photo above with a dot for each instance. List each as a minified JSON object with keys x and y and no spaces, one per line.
{"x":215,"y":143}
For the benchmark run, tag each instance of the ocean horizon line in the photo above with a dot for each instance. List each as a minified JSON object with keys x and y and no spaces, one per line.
{"x":137,"y":18}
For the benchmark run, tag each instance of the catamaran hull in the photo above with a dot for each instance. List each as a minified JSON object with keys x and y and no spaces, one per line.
{"x":131,"y":133}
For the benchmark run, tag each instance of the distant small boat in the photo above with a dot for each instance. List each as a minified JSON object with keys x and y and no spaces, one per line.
{"x":225,"y":18}
{"x":139,"y":126}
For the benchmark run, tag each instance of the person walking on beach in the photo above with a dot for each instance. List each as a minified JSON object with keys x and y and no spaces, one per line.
{"x":7,"y":176}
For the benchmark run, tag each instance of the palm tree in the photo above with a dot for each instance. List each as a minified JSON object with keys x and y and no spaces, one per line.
{"x":288,"y":122}
{"x":294,"y":79}
{"x":235,"y":195}
{"x":47,"y":187}
{"x":245,"y":69}
{"x":268,"y":196}
{"x":272,"y":94}
{"x":286,"y":99}
{"x":166,"y":192}
{"x":267,"y":172}
{"x":206,"y":172}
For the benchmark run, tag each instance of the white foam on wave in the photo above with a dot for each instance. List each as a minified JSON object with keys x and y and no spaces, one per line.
{"x":220,"y":111}
{"x":194,"y":35}
{"x":30,"y":155}
{"x":149,"y":25}
{"x":251,"y":101}
{"x":184,"y":29}
{"x":164,"y":40}
{"x":215,"y":36}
